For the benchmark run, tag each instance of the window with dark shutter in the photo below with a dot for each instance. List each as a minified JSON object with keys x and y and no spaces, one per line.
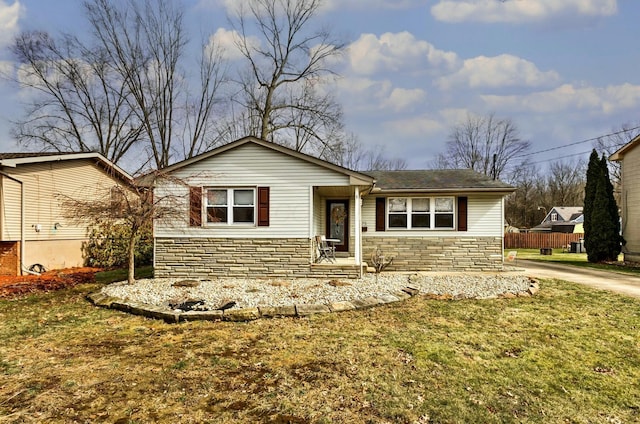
{"x":462,"y":214}
{"x":195,"y":206}
{"x":380,"y":213}
{"x":263,"y":206}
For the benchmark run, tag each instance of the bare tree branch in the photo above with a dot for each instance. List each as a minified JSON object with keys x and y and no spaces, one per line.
{"x":485,"y":144}
{"x":279,"y":91}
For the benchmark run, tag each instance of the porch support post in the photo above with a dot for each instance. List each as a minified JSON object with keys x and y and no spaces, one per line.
{"x":311,"y":212}
{"x":358,"y":226}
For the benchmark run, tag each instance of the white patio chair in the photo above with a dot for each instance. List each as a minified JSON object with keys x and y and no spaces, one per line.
{"x":324,"y":250}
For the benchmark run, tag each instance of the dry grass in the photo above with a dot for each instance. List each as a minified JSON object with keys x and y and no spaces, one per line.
{"x":571,"y":354}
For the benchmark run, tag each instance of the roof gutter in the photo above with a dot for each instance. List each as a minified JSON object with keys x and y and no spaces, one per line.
{"x":444,"y":190}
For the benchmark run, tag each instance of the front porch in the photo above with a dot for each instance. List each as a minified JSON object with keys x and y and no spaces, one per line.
{"x":336,"y":216}
{"x":342,"y":267}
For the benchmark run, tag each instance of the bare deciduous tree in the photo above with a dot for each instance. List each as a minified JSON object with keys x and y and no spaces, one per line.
{"x":521,"y":206}
{"x":561,"y":184}
{"x":79,"y":102}
{"x":146,"y":43}
{"x":279,"y":93}
{"x":349,"y":152}
{"x":607,"y":145}
{"x":565,"y":182}
{"x":123,"y":88}
{"x":485,"y":144}
{"x":132,"y":204}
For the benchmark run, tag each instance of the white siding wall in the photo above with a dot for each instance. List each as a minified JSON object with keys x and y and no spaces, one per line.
{"x":631,"y":203}
{"x":484,"y":219}
{"x":43,"y":184}
{"x":11,"y":209}
{"x":251,"y":165}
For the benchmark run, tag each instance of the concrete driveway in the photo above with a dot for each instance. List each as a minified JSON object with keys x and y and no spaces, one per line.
{"x":604,"y":280}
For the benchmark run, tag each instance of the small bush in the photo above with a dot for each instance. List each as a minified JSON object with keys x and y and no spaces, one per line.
{"x":107,"y":246}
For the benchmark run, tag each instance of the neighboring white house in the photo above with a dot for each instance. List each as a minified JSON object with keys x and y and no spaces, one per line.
{"x":562,"y":219}
{"x":629,"y":158}
{"x":254,"y":208}
{"x":33,"y":229}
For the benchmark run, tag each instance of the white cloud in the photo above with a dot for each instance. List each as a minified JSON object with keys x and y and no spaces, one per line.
{"x":566,"y":98}
{"x":364,"y":95}
{"x":498,"y":71}
{"x":396,"y":52}
{"x":9,"y":15}
{"x":515,"y":11}
{"x":419,"y":127}
{"x":373,"y":4}
{"x":232,"y":5}
{"x":6,"y":69}
{"x":401,"y":99}
{"x":225,"y":40}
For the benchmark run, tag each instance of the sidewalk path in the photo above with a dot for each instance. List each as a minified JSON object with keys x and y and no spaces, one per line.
{"x":605,"y":280}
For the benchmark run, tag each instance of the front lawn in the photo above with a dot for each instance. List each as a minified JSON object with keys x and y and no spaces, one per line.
{"x":575,"y":259}
{"x":111,"y":276}
{"x":570,"y":354}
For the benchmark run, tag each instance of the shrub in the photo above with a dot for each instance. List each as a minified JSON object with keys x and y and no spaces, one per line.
{"x":107,"y":246}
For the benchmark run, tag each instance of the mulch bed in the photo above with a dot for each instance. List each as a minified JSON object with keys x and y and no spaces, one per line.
{"x":11,"y":286}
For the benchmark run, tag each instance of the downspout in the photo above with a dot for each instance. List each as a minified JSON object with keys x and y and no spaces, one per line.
{"x":22,"y":242}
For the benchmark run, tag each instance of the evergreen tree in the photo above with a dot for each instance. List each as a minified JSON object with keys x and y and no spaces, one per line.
{"x":594,"y":170}
{"x":615,"y":216}
{"x":602,"y":238}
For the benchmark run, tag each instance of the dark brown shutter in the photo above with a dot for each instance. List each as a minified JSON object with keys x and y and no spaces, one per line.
{"x":195,"y":206}
{"x":462,"y":214}
{"x":263,"y":206}
{"x":381,"y":204}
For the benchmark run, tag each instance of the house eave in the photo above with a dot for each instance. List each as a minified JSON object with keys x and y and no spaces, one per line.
{"x":619,"y":154}
{"x":355,"y":178}
{"x":104,"y":162}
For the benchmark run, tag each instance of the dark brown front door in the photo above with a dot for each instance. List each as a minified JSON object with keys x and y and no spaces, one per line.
{"x":338,"y":223}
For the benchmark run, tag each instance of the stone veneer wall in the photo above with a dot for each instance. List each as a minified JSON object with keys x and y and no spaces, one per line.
{"x":437,"y":253}
{"x":253,"y":258}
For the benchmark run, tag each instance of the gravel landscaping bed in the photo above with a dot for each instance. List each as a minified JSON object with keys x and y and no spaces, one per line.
{"x":251,"y":293}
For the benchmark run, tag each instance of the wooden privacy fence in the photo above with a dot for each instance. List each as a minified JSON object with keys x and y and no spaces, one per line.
{"x":539,"y":240}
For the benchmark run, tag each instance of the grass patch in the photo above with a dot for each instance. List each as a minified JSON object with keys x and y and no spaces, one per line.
{"x":111,"y":276}
{"x":574,"y":259}
{"x":570,"y":354}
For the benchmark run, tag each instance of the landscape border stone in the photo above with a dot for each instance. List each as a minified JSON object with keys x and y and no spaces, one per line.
{"x":265,"y":311}
{"x":244,"y":314}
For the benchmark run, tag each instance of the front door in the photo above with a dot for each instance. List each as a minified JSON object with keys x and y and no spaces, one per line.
{"x":338,"y":223}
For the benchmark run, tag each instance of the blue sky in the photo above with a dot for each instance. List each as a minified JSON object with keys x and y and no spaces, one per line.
{"x":563,"y":70}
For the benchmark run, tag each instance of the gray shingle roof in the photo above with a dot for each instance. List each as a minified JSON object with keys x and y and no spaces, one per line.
{"x":33,"y":155}
{"x":437,"y":180}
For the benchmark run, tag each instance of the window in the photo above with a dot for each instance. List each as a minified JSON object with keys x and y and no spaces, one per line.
{"x":444,"y":212}
{"x":420,"y":213}
{"x":230,"y":205}
{"x":554,"y":216}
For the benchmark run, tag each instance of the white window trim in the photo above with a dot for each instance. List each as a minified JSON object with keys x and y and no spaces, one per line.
{"x":432,"y":214}
{"x":230,"y":206}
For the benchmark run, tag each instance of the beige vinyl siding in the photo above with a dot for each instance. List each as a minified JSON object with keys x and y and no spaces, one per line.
{"x":251,"y":165}
{"x":484,"y":218}
{"x":11,"y":209}
{"x":45,"y":184}
{"x":631,"y":203}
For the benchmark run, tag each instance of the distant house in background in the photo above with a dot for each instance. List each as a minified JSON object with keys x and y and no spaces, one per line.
{"x":562,"y":219}
{"x":629,"y":158}
{"x":33,"y":229}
